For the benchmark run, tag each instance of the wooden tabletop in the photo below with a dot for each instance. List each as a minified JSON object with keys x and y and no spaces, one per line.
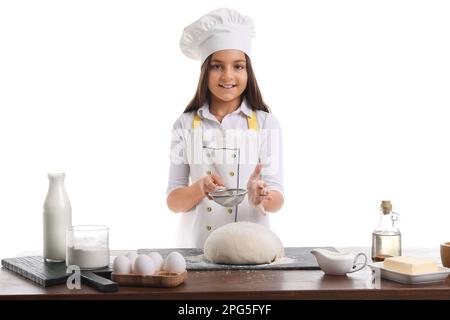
{"x":260,"y":284}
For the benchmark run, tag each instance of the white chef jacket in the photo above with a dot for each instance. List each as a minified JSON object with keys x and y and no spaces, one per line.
{"x":212,"y":148}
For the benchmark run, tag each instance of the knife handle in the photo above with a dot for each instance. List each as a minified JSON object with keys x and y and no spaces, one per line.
{"x":99,"y":283}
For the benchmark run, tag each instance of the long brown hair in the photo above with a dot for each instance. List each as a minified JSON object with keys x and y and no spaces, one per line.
{"x":251,"y":93}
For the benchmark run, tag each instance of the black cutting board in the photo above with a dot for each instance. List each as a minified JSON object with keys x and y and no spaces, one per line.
{"x":296,"y":258}
{"x":47,"y":274}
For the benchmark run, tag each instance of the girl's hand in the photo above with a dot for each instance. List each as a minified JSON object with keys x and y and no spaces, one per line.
{"x":209,"y":183}
{"x":257,"y":190}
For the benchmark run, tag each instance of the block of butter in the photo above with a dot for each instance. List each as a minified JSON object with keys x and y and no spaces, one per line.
{"x":410,"y":265}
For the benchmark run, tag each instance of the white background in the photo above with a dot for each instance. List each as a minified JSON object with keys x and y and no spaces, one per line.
{"x":92,"y":88}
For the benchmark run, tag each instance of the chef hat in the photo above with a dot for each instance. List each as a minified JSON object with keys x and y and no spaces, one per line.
{"x":218,"y":30}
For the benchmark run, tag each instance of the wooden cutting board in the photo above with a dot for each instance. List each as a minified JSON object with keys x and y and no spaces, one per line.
{"x":47,"y":274}
{"x":296,"y":258}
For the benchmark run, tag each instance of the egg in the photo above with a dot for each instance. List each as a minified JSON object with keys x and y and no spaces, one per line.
{"x":144,"y":265}
{"x":175,"y":262}
{"x":122,"y":265}
{"x":132,"y":255}
{"x":158,"y":260}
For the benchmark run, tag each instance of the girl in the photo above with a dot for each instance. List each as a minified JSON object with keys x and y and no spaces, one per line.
{"x":226,"y":136}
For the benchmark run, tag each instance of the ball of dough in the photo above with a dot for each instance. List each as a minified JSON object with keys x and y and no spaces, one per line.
{"x":243,"y":243}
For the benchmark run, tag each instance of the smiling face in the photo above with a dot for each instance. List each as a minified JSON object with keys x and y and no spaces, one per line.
{"x":227,"y":75}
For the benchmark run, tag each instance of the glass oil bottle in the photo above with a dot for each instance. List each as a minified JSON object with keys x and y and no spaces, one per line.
{"x":386,"y":238}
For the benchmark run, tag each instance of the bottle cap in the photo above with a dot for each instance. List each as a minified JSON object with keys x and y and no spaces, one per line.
{"x":386,"y":206}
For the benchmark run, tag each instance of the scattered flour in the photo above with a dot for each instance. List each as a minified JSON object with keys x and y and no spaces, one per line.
{"x":283,"y":260}
{"x":201,"y":262}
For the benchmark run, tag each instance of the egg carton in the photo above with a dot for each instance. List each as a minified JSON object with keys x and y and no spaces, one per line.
{"x":162,"y":279}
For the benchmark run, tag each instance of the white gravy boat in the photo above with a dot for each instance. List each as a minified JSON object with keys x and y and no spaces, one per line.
{"x":337,"y":263}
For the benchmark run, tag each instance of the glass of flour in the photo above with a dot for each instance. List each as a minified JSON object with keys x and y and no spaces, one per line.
{"x":87,"y":246}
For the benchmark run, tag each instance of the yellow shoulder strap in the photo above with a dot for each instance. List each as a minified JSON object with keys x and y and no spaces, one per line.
{"x":252,"y":122}
{"x":196,"y":121}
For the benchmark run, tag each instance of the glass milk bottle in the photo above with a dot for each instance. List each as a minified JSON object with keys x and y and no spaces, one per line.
{"x":386,"y":238}
{"x":57,"y":219}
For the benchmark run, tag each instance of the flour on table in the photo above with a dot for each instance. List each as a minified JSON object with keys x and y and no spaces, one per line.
{"x":200,"y":260}
{"x":283,"y":260}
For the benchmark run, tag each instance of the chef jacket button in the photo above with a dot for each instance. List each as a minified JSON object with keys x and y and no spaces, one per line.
{"x":208,"y":155}
{"x":230,"y":210}
{"x":233,"y":155}
{"x":208,"y":228}
{"x":208,"y":172}
{"x":232,"y":173}
{"x":209,"y":209}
